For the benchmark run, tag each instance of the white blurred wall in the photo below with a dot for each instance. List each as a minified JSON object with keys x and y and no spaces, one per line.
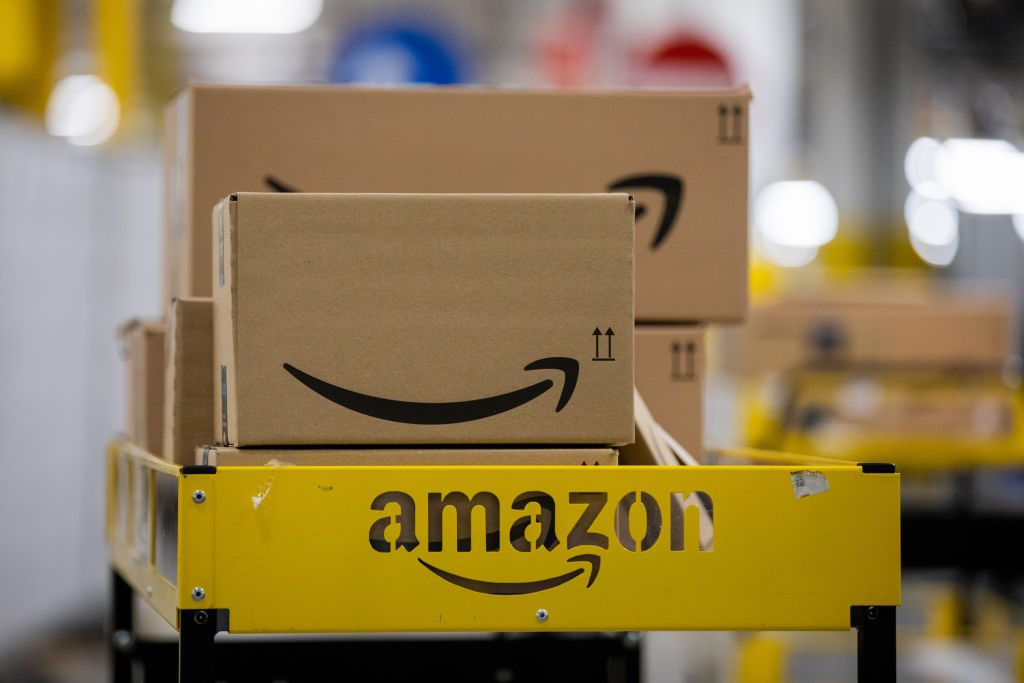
{"x":79,"y":252}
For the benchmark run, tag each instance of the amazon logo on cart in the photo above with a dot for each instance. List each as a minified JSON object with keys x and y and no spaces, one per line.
{"x":593,"y":526}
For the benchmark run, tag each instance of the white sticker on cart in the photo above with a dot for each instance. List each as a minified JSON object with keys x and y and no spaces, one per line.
{"x":807,"y":483}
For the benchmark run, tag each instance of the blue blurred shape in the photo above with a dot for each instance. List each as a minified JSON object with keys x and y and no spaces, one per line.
{"x":400,"y":49}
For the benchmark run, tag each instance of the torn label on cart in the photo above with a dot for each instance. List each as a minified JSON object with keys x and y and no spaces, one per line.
{"x":532,"y":524}
{"x":808,"y":483}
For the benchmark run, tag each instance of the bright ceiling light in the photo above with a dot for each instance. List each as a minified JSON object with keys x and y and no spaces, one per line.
{"x":931,"y":221}
{"x":982,"y":176}
{"x":796,"y":213}
{"x":784,"y":255}
{"x":934,"y":226}
{"x":83,"y":109}
{"x":935,"y":254}
{"x":245,"y":16}
{"x":919,"y":167}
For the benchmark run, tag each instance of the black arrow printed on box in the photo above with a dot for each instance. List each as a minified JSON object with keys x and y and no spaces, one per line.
{"x":677,"y":371}
{"x":609,"y":333}
{"x":737,"y":113}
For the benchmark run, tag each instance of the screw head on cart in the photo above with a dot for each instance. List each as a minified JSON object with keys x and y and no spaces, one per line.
{"x":872,"y":613}
{"x":542,"y":615}
{"x":123,"y":640}
{"x":198,"y":593}
{"x":201,"y":617}
{"x":198,"y":496}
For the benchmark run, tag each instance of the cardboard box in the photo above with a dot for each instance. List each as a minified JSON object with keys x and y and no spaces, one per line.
{"x":942,"y":332}
{"x":670,"y":377}
{"x":142,"y":346}
{"x":226,"y":456}
{"x":649,"y":447}
{"x":683,"y":154}
{"x":188,"y":385}
{"x":424,"y":319}
{"x":653,"y":446}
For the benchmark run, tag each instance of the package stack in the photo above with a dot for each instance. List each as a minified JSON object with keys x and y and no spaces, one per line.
{"x":417,"y":325}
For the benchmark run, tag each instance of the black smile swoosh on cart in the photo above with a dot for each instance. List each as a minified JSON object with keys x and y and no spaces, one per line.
{"x":519,"y":587}
{"x":414,"y":412}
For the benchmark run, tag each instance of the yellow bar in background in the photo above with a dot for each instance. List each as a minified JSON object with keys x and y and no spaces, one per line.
{"x":29,"y":31}
{"x":117,"y":29}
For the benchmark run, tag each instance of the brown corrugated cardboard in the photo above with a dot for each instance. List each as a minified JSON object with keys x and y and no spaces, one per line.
{"x":654,"y":446}
{"x":683,"y":154}
{"x":424,"y":319}
{"x":142,"y":344}
{"x":670,"y":377}
{"x":647,"y":448}
{"x":942,"y":331}
{"x":227,"y":456}
{"x":188,"y":385}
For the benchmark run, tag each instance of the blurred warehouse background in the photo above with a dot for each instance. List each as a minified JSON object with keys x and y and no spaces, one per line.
{"x":887,"y":135}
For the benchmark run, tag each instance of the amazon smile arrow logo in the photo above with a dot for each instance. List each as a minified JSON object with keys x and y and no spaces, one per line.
{"x":453,"y":412}
{"x":520,"y":587}
{"x":591,"y":521}
{"x":671,"y":188}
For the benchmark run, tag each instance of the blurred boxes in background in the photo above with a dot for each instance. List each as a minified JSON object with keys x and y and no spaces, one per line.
{"x":670,"y":377}
{"x":683,"y":154}
{"x":411,"y":457}
{"x":424,"y":319}
{"x":189,"y":390}
{"x":879,"y":368}
{"x":936,"y":330}
{"x":142,"y":344}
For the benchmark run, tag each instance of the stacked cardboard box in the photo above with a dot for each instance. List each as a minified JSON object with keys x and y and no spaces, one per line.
{"x":142,"y":348}
{"x":407,"y":310}
{"x":370,"y":321}
{"x":682,"y":155}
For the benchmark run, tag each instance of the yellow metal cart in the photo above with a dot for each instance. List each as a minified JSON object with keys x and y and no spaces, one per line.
{"x":801,"y":545}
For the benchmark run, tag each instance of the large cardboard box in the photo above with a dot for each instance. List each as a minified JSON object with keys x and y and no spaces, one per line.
{"x":939,"y":331}
{"x":424,"y":319}
{"x":188,"y":384}
{"x":142,"y":346}
{"x":683,"y":154}
{"x":220,"y":456}
{"x":670,"y":377}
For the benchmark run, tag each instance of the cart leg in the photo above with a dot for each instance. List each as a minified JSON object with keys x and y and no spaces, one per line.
{"x":122,"y":631}
{"x":195,"y":647}
{"x":876,"y":643}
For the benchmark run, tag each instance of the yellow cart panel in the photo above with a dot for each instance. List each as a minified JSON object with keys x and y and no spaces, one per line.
{"x":373,"y":549}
